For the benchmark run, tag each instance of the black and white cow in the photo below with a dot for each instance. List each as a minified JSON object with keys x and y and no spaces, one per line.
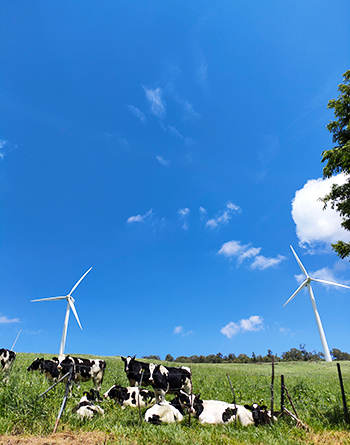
{"x":215,"y":411}
{"x":166,"y":379}
{"x":134,"y":368}
{"x":165,"y":412}
{"x":7,"y":357}
{"x":46,"y":367}
{"x":260,"y":414}
{"x":86,"y":408}
{"x":83,"y":369}
{"x":130,"y":396}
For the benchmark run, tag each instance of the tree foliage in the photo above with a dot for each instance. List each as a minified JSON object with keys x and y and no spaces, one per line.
{"x":338,"y":160}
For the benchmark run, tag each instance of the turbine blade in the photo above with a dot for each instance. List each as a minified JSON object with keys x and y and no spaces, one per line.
{"x":296,"y":292}
{"x":330,"y":282}
{"x":79,"y":281}
{"x":49,"y":299}
{"x":299,"y":262}
{"x":71,"y":304}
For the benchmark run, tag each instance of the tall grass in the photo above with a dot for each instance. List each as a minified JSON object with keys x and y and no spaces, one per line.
{"x":314,"y":388}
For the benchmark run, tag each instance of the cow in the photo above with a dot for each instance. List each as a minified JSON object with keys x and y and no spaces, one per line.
{"x":170,"y":380}
{"x":165,"y":412}
{"x":7,"y":357}
{"x":215,"y":411}
{"x":260,"y":414}
{"x":85,"y":408}
{"x":130,"y":396}
{"x":83,"y":369}
{"x":46,"y":367}
{"x":134,"y":369}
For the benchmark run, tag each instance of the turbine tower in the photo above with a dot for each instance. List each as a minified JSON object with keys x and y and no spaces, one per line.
{"x":70,"y":305}
{"x":307,"y":282}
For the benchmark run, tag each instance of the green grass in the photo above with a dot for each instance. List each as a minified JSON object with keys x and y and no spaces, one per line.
{"x":314,"y":388}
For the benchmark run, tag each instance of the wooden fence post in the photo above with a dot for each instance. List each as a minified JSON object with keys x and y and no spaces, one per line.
{"x":282,"y":393}
{"x":272,"y":382}
{"x":346,"y":414}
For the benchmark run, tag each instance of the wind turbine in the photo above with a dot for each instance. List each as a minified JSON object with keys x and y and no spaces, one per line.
{"x":70,"y":305}
{"x":307,"y":283}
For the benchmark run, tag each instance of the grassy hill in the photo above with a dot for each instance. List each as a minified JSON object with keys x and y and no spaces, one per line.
{"x":313,"y":387}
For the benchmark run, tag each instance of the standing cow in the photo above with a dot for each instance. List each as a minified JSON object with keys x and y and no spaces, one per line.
{"x":135,"y":369}
{"x":166,"y":379}
{"x":46,"y":367}
{"x":83,"y":369}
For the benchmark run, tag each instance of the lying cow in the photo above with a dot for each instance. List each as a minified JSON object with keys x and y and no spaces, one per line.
{"x":85,"y":408}
{"x":215,"y":411}
{"x":165,"y":412}
{"x":46,"y":367}
{"x":260,"y":414}
{"x":130,"y":396}
{"x":83,"y":369}
{"x":169,"y":380}
{"x":135,"y":369}
{"x":7,"y":357}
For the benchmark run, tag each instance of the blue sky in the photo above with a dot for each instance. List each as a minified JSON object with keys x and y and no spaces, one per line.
{"x":175,"y":148}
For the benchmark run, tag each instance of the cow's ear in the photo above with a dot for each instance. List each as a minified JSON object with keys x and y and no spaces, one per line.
{"x":123,"y":358}
{"x":248,"y":407}
{"x":41,"y":359}
{"x":134,"y":357}
{"x":263,"y":407}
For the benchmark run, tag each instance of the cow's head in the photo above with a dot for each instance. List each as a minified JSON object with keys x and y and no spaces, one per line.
{"x":190,"y":403}
{"x":259,"y":413}
{"x":128,"y":362}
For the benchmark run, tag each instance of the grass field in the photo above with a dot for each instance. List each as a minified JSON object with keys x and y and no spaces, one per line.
{"x":313,"y":387}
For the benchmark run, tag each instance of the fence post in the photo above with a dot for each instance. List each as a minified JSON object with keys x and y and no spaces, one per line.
{"x":272,"y":382}
{"x":282,"y":393}
{"x":346,"y":414}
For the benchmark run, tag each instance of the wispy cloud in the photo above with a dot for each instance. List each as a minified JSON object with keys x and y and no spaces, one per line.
{"x":155,"y":98}
{"x":184,"y":214}
{"x":162,"y":161}
{"x":3,"y":144}
{"x":252,"y":324}
{"x":313,"y":224}
{"x":137,"y":113}
{"x":140,"y":218}
{"x":223,"y":217}
{"x":234,"y":249}
{"x":179,"y":330}
{"x":5,"y":320}
{"x":189,"y":113}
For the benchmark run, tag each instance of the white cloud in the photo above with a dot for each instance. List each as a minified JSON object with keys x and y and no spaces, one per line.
{"x":155,"y":98}
{"x":189,"y":112}
{"x":179,"y":330}
{"x":137,"y":113}
{"x":243,"y":252}
{"x":162,"y":161}
{"x":202,"y":212}
{"x":140,"y":218}
{"x":261,"y":262}
{"x":223,"y":217}
{"x":313,"y":224}
{"x":184,"y":214}
{"x":252,"y":324}
{"x":5,"y":320}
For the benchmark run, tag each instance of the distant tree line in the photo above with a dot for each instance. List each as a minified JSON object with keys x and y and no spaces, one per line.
{"x":293,"y":355}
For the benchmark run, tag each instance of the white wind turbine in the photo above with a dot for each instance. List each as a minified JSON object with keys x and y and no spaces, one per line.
{"x":307,"y":283}
{"x":70,"y":305}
